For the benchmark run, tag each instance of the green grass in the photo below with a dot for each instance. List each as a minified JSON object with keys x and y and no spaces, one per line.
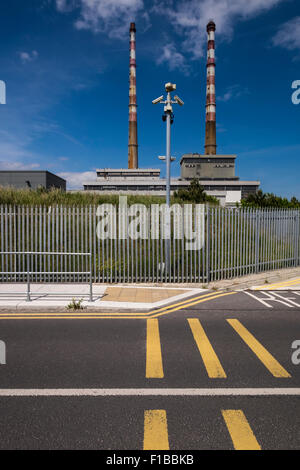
{"x":42,"y":197}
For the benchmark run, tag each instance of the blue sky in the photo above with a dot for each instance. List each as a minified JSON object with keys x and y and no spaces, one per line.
{"x":65,"y":64}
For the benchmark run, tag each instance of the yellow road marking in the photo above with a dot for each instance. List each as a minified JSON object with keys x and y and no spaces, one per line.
{"x":187,"y":301}
{"x":106,"y":315}
{"x":263,"y":355}
{"x":194,"y":303}
{"x":209,"y":357}
{"x":240,"y":431}
{"x":278,"y":284}
{"x":285,"y":284}
{"x":156,"y":430}
{"x":154,"y":366}
{"x":77,"y":315}
{"x":71,"y":318}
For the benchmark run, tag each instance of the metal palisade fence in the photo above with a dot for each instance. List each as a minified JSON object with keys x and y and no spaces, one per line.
{"x":234,"y":242}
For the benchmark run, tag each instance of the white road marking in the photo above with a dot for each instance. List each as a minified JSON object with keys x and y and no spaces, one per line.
{"x":274,"y":297}
{"x":288,"y":299}
{"x":259,"y":300}
{"x":113,"y":392}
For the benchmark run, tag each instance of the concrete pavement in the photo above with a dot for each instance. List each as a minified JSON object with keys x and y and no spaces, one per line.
{"x":132,"y":298}
{"x":260,"y":279}
{"x":56,"y":297}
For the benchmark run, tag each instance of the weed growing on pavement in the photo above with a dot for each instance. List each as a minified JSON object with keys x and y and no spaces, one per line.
{"x":75,"y":305}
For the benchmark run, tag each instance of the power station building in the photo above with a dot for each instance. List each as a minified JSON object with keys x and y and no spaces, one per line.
{"x":216,"y":173}
{"x":31,"y":179}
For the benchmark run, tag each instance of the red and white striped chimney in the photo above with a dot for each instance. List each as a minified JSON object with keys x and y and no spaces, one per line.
{"x":132,"y":140}
{"x":210,"y":126}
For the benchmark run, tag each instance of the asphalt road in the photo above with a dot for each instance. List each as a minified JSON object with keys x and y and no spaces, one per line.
{"x":114,"y":354}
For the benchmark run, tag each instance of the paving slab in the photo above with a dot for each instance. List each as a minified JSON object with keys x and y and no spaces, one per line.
{"x":56,"y":297}
{"x":133,"y":297}
{"x":140,"y":294}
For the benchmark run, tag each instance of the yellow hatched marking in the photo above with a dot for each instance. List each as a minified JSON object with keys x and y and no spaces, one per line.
{"x":156,"y":430}
{"x":263,"y":355}
{"x":209,"y":357}
{"x":240,"y":431}
{"x":154,"y":366}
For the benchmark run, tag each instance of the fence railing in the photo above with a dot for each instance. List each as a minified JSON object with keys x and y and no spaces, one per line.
{"x":236,"y":242}
{"x":27,"y":265}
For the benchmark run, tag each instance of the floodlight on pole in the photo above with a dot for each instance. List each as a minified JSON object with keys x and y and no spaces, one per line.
{"x":168,"y":117}
{"x":162,"y":157}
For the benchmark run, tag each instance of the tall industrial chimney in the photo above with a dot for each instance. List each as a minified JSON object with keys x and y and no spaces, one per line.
{"x":132,"y":141}
{"x":210,"y":125}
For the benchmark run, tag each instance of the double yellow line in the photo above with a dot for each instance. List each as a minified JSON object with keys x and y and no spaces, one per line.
{"x":279,"y":284}
{"x":99,"y":315}
{"x":188,"y":303}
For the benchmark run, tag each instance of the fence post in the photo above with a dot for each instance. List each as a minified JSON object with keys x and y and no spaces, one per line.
{"x":257,"y":241}
{"x":28,"y":281}
{"x":296,"y":235}
{"x":91,"y":279}
{"x":208,"y":245}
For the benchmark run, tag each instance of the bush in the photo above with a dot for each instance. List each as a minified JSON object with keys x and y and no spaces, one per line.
{"x":269,"y":200}
{"x":195,"y":193}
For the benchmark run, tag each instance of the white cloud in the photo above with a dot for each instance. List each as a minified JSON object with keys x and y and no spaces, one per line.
{"x":109,"y":16}
{"x":66,"y":5}
{"x":75,"y":180}
{"x":15,"y":166}
{"x":221,"y":128}
{"x":14,"y":153}
{"x":174,"y":59}
{"x":288,"y":35}
{"x":232,"y":92}
{"x":190,"y":17}
{"x":11,"y":149}
{"x":28,"y":56}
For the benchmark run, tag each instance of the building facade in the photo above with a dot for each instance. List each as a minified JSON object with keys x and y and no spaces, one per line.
{"x":215,"y":167}
{"x":31,"y":180}
{"x":147,"y":182}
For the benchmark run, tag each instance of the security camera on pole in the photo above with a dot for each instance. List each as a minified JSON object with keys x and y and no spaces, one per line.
{"x":168,"y":117}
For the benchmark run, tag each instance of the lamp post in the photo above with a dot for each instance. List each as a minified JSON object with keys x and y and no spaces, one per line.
{"x":168,"y":117}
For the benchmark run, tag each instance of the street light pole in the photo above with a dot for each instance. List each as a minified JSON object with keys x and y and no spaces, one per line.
{"x":168,"y":117}
{"x":168,"y":150}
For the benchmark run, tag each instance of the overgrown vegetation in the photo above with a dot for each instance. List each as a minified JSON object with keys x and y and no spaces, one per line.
{"x":269,"y":200}
{"x":195,"y":193}
{"x":43,"y":197}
